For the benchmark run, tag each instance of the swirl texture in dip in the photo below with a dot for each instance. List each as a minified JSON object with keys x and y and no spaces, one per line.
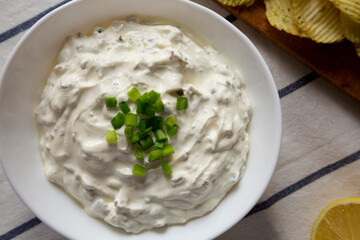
{"x":210,"y":146}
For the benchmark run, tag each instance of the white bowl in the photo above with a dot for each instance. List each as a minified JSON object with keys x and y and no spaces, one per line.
{"x":23,"y":79}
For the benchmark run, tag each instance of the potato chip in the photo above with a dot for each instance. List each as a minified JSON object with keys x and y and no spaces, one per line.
{"x":319,"y":19}
{"x":351,"y":28}
{"x":349,"y":7}
{"x":234,"y":3}
{"x":280,"y":16}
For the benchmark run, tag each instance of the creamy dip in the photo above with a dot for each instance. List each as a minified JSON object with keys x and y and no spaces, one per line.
{"x":211,"y":144}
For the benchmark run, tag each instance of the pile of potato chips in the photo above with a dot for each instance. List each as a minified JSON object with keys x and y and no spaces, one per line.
{"x":324,"y":21}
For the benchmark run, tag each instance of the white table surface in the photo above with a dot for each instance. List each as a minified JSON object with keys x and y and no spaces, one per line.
{"x":319,"y":154}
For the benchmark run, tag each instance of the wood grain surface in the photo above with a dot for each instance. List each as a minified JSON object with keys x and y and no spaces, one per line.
{"x":338,"y":63}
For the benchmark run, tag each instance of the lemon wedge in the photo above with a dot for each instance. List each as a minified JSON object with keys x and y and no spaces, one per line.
{"x":340,"y":220}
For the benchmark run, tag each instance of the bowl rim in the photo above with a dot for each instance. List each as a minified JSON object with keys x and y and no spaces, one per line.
{"x":199,"y":7}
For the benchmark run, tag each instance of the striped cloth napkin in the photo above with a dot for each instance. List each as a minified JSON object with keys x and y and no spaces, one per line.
{"x":319,"y":154}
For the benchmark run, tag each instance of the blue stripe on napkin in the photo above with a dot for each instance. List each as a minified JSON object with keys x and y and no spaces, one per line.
{"x":27,"y":24}
{"x":303,"y":182}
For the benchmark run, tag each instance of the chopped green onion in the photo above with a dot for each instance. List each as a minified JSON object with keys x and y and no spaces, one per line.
{"x":159,"y":105}
{"x":148,"y":104}
{"x":170,"y":121}
{"x":142,"y":124}
{"x":135,"y":138}
{"x":181,"y":103}
{"x":154,"y":122}
{"x":142,"y":133}
{"x":153,"y":96}
{"x":161,"y":124}
{"x":110,"y":102}
{"x":172,"y":131}
{"x":166,"y":168}
{"x":131,"y":119}
{"x":160,"y":135}
{"x":129,"y":131}
{"x":149,"y":109}
{"x":140,"y":108}
{"x":146,"y":142}
{"x":111,"y":136}
{"x":155,"y":155}
{"x":159,"y":144}
{"x":149,"y":129}
{"x":145,"y":97}
{"x":118,"y":120}
{"x":124,"y":107}
{"x":167,"y":150}
{"x":134,"y":94}
{"x":139,"y":170}
{"x":138,"y":153}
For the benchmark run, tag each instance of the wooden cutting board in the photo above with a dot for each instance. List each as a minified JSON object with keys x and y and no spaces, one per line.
{"x":337,"y":63}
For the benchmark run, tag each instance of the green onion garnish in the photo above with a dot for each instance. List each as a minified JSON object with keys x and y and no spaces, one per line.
{"x":110,"y":102}
{"x":129,"y":131}
{"x":153,"y":96}
{"x":111,"y":136}
{"x":142,"y":124}
{"x":134,"y":94}
{"x":139,"y":170}
{"x":131,"y":119}
{"x":140,"y":108}
{"x":159,"y":105}
{"x":149,"y":109}
{"x":118,"y":120}
{"x":154,"y":122}
{"x":145,"y":98}
{"x":160,"y":135}
{"x":149,"y":129}
{"x":161,"y":124}
{"x":167,"y":150}
{"x":124,"y":107}
{"x":135,"y":138}
{"x":166,"y":168}
{"x":146,"y":142}
{"x":172,"y":131}
{"x":148,"y":104}
{"x":159,"y":144}
{"x":138,"y":153}
{"x":155,"y":155}
{"x":142,"y":133}
{"x":181,"y":103}
{"x":170,"y":121}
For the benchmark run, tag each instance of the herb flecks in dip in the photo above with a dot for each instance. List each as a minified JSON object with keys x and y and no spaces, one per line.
{"x":210,"y":148}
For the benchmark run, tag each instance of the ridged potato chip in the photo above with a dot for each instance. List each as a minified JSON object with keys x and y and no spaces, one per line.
{"x":234,"y":3}
{"x":280,"y":16}
{"x":319,"y":19}
{"x":351,"y":28}
{"x":349,"y":7}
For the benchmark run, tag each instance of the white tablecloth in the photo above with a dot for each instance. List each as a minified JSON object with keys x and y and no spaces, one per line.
{"x":319,"y":153}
